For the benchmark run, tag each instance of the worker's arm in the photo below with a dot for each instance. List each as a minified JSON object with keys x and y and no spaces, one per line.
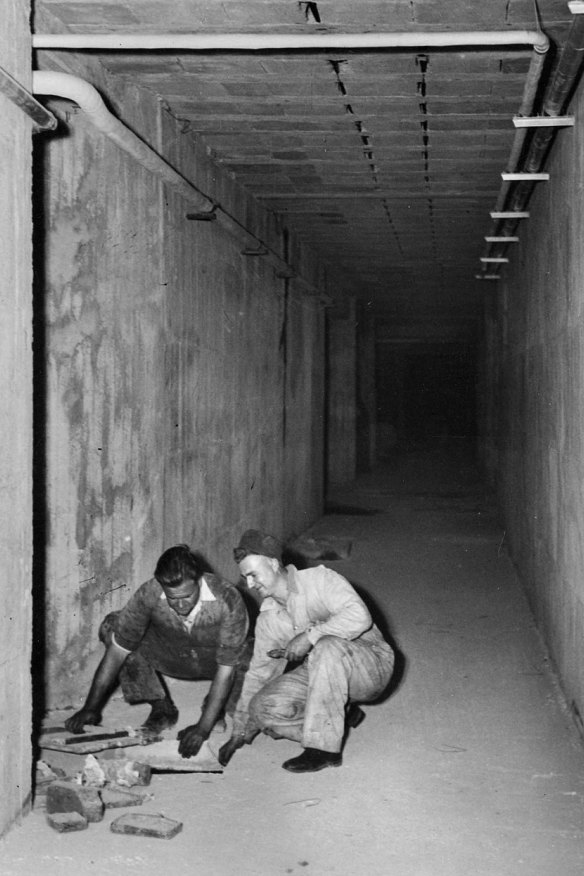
{"x":272,"y":635}
{"x":345,"y":615}
{"x":104,"y":679}
{"x":192,"y":737}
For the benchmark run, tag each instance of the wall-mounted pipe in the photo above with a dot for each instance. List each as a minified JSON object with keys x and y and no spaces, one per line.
{"x":89,"y":100}
{"x":528,"y":101}
{"x":263,"y":42}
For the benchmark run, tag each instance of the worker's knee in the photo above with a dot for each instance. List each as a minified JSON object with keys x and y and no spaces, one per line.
{"x":267,"y":707}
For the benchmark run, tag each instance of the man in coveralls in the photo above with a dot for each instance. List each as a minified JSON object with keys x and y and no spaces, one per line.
{"x":315,"y":619}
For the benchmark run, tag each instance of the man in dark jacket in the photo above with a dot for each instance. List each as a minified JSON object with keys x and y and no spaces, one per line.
{"x":182,"y":623}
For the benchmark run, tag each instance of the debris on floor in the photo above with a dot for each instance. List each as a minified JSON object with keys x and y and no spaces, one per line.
{"x":65,"y":795}
{"x":72,"y":802}
{"x":66,"y":822}
{"x":164,"y":756}
{"x":44,"y":775}
{"x":98,"y":773}
{"x":325,"y":547}
{"x":93,"y":774}
{"x":146,"y":824}
{"x":127,"y":774}
{"x":116,"y":798}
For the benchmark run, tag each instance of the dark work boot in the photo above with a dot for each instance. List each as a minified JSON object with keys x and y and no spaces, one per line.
{"x":313,"y":759}
{"x":164,"y":714}
{"x":354,"y":715}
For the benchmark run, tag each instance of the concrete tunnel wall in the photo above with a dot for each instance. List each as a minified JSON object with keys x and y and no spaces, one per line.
{"x":533,"y":409}
{"x":184,"y":381}
{"x":16,"y":417}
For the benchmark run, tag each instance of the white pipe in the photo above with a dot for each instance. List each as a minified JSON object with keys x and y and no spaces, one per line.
{"x":90,"y":101}
{"x":258,"y":42}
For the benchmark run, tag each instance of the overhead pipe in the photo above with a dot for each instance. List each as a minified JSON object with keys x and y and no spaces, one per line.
{"x":526,"y":109}
{"x":263,"y":42}
{"x":554,"y":100}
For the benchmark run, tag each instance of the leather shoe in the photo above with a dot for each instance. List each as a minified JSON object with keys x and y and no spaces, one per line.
{"x":354,"y":715}
{"x":313,"y":759}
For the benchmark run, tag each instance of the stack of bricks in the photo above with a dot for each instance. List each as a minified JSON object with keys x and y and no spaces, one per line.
{"x":71,"y":805}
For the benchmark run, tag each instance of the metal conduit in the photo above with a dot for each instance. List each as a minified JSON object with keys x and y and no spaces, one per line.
{"x":557,"y":94}
{"x":538,"y":61}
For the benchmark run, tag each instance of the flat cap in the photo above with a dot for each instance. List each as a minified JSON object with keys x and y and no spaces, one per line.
{"x":254,"y":541}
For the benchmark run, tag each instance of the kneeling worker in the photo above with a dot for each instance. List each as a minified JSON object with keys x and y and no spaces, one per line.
{"x":313,"y":617}
{"x":181,"y":623}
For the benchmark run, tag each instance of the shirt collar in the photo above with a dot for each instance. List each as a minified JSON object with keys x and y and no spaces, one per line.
{"x":205,"y":593}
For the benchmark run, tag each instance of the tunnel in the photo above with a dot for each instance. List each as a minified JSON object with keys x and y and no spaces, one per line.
{"x":316,"y":269}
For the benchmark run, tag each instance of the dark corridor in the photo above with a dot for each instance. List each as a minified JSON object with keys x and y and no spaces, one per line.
{"x":425,"y":393}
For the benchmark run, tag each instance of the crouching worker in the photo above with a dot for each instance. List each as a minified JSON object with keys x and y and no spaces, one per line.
{"x":313,"y":618}
{"x":181,"y":623}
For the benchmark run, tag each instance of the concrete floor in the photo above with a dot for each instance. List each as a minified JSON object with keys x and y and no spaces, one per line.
{"x":472,"y":766}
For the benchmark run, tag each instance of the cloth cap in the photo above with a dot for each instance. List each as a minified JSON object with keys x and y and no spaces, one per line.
{"x":253,"y":541}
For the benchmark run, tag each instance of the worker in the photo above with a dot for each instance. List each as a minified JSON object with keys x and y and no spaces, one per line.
{"x":314,"y":619}
{"x":182,"y":623}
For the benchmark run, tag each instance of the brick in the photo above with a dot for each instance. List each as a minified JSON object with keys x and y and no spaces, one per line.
{"x":64,"y":796}
{"x":145,"y":824}
{"x":115,"y":798}
{"x":65,"y":822}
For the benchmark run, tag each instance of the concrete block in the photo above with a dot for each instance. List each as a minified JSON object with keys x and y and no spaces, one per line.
{"x":146,"y":824}
{"x":65,"y":822}
{"x":164,"y":756}
{"x":67,"y":796}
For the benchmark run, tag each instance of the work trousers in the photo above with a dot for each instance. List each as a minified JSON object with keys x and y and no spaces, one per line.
{"x":307,"y":704}
{"x":141,"y":674}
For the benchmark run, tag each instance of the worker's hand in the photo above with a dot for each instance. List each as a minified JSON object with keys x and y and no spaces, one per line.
{"x":298,"y":647}
{"x":190,"y":740}
{"x":227,"y":751}
{"x":76,"y":722}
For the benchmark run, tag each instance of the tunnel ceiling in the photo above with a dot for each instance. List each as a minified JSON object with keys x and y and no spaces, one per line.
{"x":386,"y":162}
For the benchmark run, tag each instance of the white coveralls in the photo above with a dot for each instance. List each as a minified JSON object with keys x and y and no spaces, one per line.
{"x":350,"y":661}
